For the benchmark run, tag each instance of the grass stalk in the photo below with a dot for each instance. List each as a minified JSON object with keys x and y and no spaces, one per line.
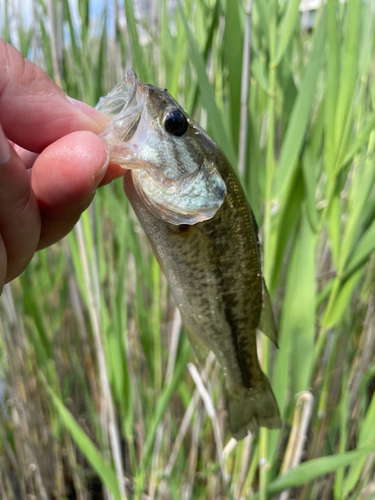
{"x":56,"y":46}
{"x":90,"y":340}
{"x":109,"y":425}
{"x":245,"y":89}
{"x":298,"y":435}
{"x":210,"y":409}
{"x":263,"y":438}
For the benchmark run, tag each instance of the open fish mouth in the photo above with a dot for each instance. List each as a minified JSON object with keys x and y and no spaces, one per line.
{"x":187,"y":198}
{"x":121,"y":97}
{"x":124,"y":103}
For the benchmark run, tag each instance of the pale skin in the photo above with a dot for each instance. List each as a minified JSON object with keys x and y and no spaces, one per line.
{"x":51,"y":161}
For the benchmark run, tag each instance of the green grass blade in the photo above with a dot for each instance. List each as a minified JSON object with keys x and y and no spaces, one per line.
{"x":298,"y":317}
{"x":302,"y":314}
{"x":363,"y":250}
{"x":259,"y":73}
{"x":138,"y":63}
{"x":46,"y":46}
{"x":318,"y":230}
{"x":100,"y":89}
{"x":360,"y":140}
{"x":89,"y":450}
{"x":233,"y":43}
{"x":289,"y":215}
{"x":312,"y":469}
{"x":286,"y":30}
{"x":164,"y":400}
{"x":349,"y":71}
{"x":340,"y":297}
{"x":298,"y":122}
{"x":73,"y":41}
{"x":344,"y":416}
{"x":5,"y":32}
{"x":309,"y":178}
{"x":332,"y":84}
{"x":193,"y":102}
{"x":367,"y":40}
{"x":84,"y":13}
{"x":262,"y":8}
{"x":214,"y":117}
{"x":334,"y":225}
{"x":366,"y":435}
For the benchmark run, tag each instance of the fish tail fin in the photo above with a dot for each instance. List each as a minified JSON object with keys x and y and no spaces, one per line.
{"x":252,"y":408}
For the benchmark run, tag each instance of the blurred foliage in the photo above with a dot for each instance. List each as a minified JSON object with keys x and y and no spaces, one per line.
{"x":100,"y":403}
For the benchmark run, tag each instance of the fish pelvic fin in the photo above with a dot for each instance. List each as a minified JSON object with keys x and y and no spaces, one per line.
{"x":267,"y":322}
{"x":252,"y":408}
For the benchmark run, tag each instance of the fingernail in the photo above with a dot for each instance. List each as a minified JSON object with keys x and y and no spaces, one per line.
{"x":100,"y":173}
{"x":76,"y":103}
{"x":87,"y":110}
{"x":81,"y":106}
{"x":4,"y":147}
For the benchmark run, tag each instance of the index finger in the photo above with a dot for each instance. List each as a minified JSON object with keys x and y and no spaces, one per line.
{"x":34,"y":111}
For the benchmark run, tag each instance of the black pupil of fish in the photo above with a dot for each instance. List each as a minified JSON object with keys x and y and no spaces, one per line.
{"x":175,"y":123}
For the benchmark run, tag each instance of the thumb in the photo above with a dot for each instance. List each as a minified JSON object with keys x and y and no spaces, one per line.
{"x":64,"y":179}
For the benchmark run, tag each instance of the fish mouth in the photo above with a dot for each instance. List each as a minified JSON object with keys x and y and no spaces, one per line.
{"x":125,"y":104}
{"x":120,"y":98}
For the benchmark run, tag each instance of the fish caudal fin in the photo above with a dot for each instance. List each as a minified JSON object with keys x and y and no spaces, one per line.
{"x":252,"y":408}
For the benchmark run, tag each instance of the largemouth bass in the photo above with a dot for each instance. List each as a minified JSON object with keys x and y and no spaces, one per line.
{"x":204,"y":235}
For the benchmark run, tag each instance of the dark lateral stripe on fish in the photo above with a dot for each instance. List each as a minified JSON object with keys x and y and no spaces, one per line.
{"x":244,"y":368}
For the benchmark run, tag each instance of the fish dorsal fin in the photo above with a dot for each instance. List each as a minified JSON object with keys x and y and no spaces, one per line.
{"x":267,"y":321}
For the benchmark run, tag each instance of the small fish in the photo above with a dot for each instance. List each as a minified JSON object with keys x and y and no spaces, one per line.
{"x":205,"y":238}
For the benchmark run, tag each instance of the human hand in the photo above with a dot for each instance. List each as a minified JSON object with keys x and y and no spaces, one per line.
{"x":49,"y":174}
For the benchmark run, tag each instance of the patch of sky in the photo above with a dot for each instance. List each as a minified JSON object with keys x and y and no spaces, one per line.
{"x":27,"y":14}
{"x":20,"y":14}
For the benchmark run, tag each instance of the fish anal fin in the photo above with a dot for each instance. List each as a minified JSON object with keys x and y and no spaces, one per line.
{"x":267,"y":322}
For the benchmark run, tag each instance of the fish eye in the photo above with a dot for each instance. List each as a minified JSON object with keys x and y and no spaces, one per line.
{"x":175,"y":123}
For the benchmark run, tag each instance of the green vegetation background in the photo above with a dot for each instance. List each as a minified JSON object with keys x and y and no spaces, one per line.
{"x":102,"y":403}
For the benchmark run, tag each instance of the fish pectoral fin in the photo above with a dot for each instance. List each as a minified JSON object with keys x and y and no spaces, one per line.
{"x":267,"y":321}
{"x":200,"y":350}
